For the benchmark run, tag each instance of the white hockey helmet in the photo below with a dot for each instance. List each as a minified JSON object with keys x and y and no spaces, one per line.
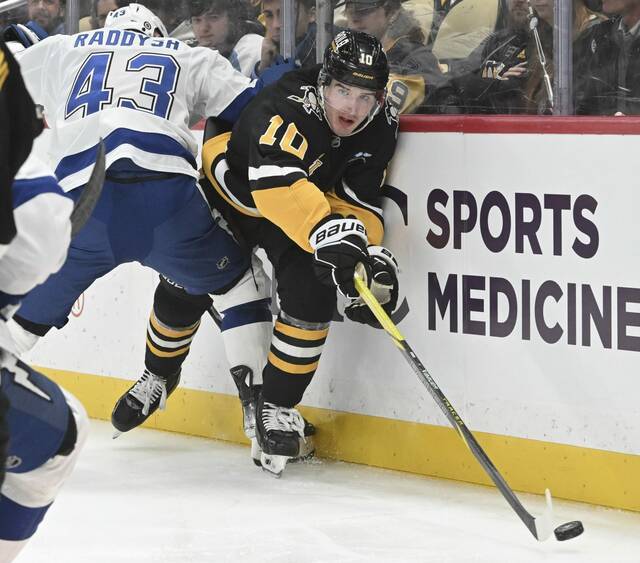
{"x":136,"y":17}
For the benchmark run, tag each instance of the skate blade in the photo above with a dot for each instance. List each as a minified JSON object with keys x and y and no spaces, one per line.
{"x":273,"y":464}
{"x":307,"y":451}
{"x":250,"y":432}
{"x":256,"y":452}
{"x":115,"y":434}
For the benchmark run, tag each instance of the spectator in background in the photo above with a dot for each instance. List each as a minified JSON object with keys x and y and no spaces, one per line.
{"x":608,"y":63}
{"x":492,"y":79}
{"x":98,"y":15}
{"x":415,"y":76}
{"x":172,"y":12}
{"x":504,"y":75}
{"x":305,"y":33}
{"x":48,"y":14}
{"x":100,"y":10}
{"x":225,"y":25}
{"x":583,"y":19}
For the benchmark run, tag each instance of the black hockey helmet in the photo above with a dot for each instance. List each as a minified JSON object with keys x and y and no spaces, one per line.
{"x":356,"y":58}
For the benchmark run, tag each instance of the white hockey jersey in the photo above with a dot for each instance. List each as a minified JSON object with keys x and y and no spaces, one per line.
{"x":140,"y":94}
{"x":42,"y":213}
{"x":246,"y":53}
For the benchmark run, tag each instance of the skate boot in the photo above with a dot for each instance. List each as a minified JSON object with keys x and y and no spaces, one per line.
{"x":306,"y":450}
{"x":278,"y":433}
{"x":146,"y":395}
{"x":307,"y":447}
{"x":248,"y":393}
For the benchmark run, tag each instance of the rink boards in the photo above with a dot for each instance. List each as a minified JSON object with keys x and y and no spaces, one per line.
{"x":518,"y":245}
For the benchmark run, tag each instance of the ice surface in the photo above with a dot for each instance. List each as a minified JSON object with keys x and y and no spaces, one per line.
{"x":158,"y":497}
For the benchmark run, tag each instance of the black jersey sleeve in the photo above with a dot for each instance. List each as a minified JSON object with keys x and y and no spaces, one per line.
{"x":19,"y":126}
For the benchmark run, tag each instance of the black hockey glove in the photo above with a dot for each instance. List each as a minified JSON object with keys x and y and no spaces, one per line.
{"x":340,"y":245}
{"x":384,"y":286}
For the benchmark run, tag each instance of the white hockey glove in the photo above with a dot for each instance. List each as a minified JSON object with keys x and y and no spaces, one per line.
{"x":384,"y":286}
{"x":340,"y":245}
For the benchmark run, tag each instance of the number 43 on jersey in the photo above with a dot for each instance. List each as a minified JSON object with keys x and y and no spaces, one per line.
{"x":92,"y":92}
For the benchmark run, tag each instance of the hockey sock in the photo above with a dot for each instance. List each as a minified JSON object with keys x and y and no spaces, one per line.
{"x":293,"y":359}
{"x":173,"y":323}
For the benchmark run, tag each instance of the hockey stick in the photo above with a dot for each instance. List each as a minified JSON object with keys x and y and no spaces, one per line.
{"x":217,"y":317}
{"x":541,"y":527}
{"x":86,"y":203}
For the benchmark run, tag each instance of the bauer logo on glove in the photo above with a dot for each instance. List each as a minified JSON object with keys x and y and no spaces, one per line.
{"x":335,"y":229}
{"x":340,"y":246}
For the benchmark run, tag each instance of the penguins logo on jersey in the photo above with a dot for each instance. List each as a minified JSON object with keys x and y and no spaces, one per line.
{"x":391,"y":112}
{"x":309,"y":101}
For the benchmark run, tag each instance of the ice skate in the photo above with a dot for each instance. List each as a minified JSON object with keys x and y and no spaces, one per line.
{"x":306,"y":451}
{"x":278,"y":433}
{"x":147,"y":395}
{"x":249,"y":394}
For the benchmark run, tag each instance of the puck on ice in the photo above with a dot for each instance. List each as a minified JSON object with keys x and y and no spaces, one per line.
{"x":568,"y":530}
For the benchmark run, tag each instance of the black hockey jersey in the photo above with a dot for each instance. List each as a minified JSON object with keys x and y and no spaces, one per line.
{"x":284,"y":163}
{"x":19,"y":125}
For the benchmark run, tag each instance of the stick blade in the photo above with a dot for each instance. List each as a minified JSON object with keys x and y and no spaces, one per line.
{"x":544,"y":523}
{"x":86,"y":203}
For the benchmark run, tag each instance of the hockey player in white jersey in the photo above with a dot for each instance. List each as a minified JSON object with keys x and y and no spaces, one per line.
{"x":47,"y":426}
{"x":140,"y":90}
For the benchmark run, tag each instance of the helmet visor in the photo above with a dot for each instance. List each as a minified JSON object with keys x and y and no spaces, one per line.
{"x":349,"y":108}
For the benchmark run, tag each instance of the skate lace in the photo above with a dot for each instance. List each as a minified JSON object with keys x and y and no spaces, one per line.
{"x":282,"y":419}
{"x":148,"y":389}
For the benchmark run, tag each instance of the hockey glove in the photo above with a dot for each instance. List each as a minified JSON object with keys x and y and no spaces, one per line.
{"x":26,"y":34}
{"x":340,"y":247}
{"x":384,"y":286}
{"x":277,"y":70}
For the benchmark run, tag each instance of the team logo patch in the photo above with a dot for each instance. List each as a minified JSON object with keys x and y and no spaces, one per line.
{"x":309,"y":101}
{"x":391,"y":112}
{"x":223,"y":263}
{"x":13,"y":462}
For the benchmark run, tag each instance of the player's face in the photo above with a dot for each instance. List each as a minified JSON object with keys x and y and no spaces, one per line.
{"x":371,"y":20}
{"x":347,"y":106}
{"x":46,"y":13}
{"x":211,"y":29}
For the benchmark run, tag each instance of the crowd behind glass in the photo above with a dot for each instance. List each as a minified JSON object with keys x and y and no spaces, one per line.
{"x":446,"y":56}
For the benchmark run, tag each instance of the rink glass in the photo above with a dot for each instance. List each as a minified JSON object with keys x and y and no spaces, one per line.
{"x":450,"y":31}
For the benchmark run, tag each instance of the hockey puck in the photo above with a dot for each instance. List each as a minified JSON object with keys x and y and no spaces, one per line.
{"x":568,"y":530}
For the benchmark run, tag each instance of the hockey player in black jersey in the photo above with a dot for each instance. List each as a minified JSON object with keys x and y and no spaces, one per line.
{"x":300,"y":176}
